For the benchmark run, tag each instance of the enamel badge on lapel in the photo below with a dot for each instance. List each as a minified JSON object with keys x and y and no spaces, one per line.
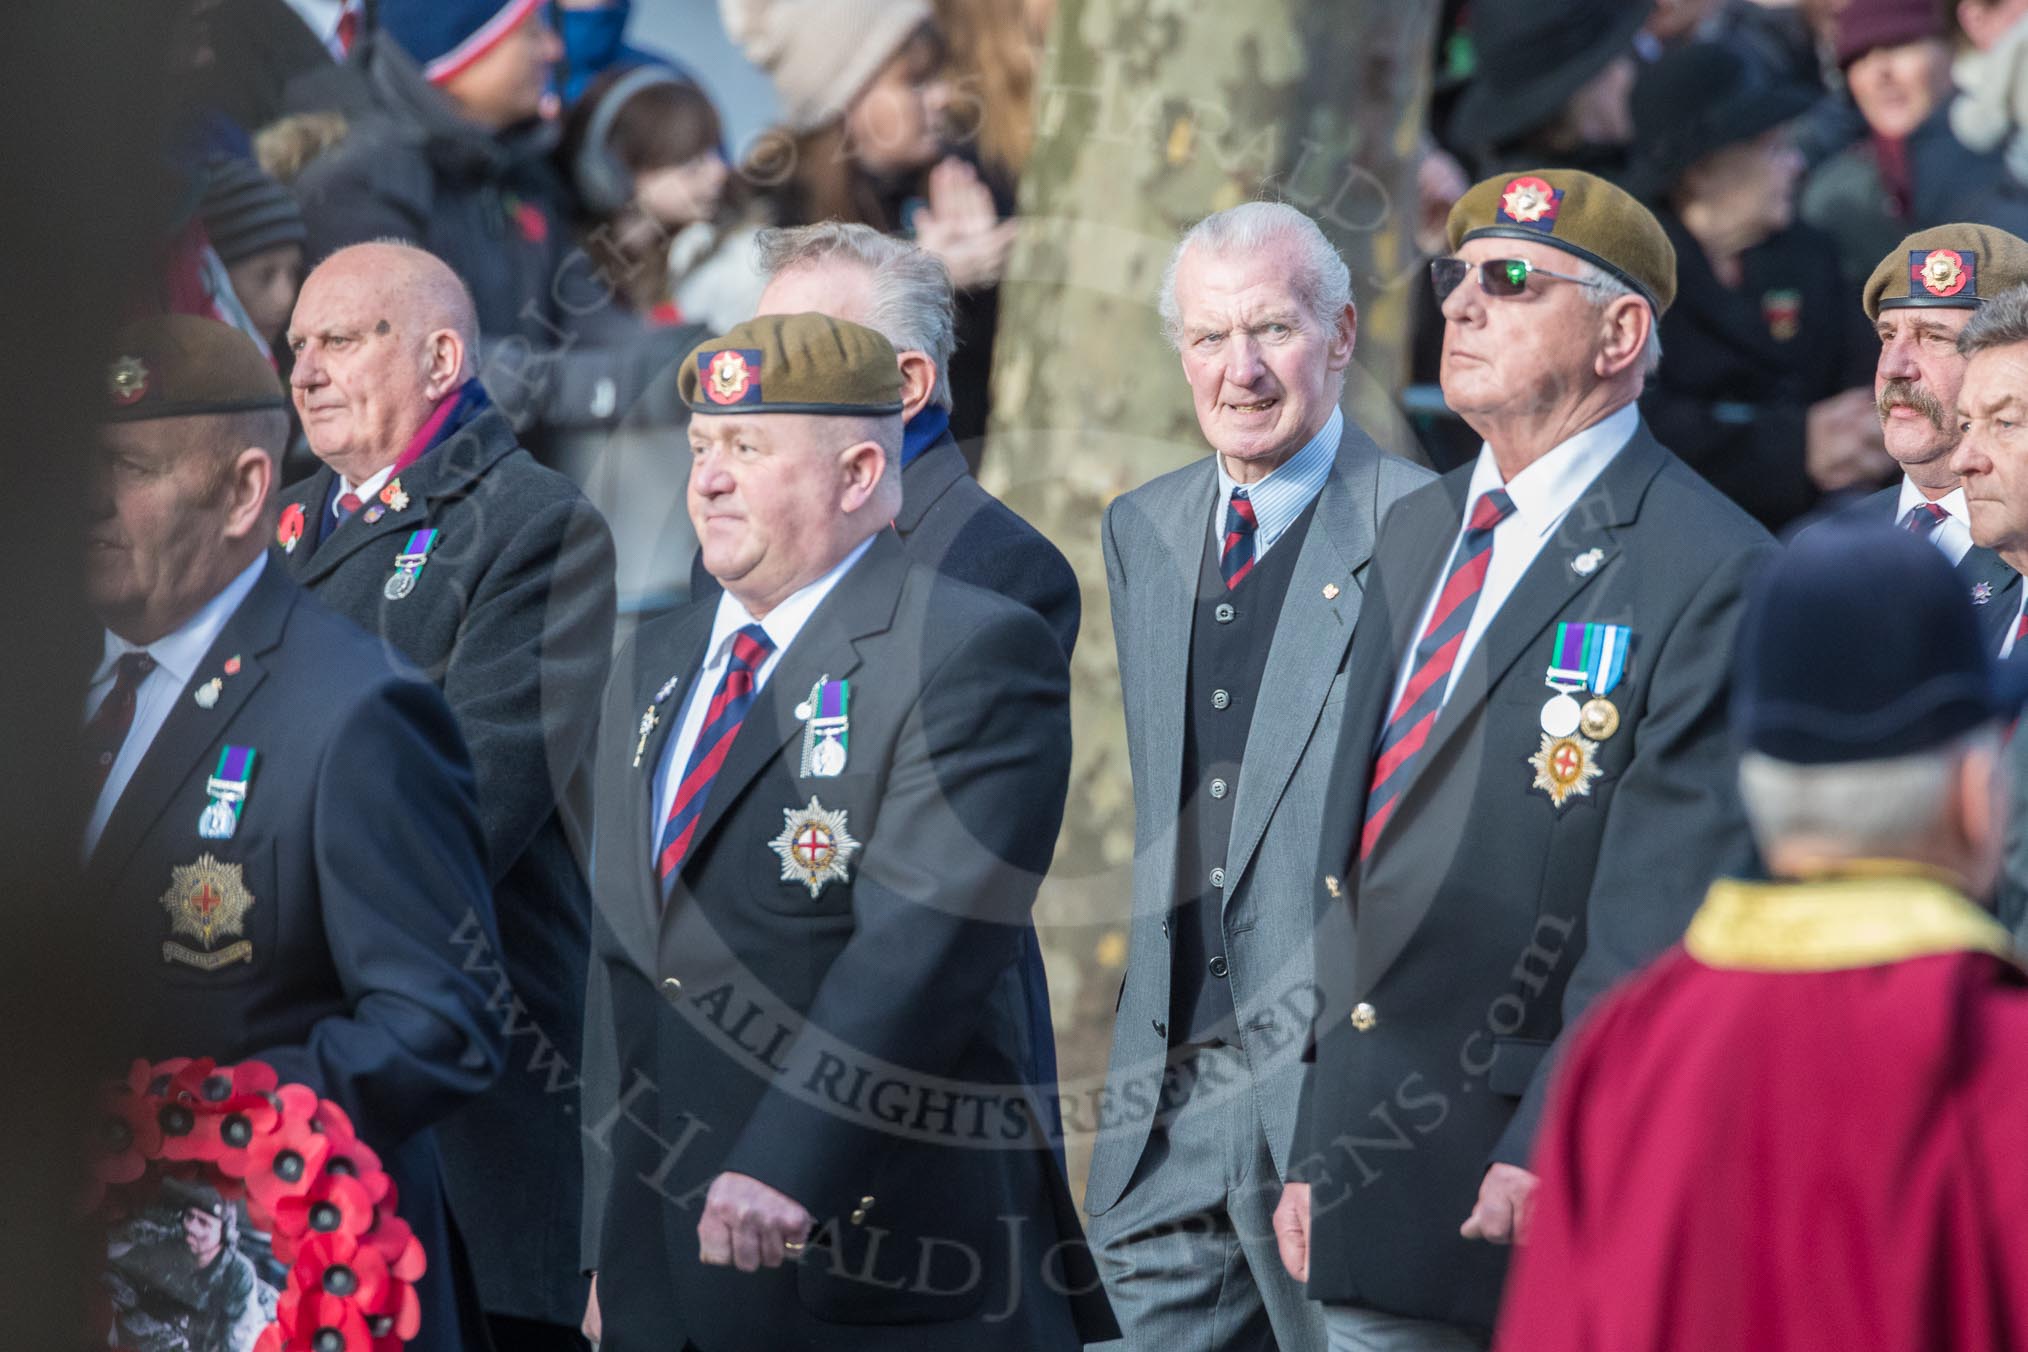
{"x":813,"y":846}
{"x":827,"y":728}
{"x":1982,"y":592}
{"x":207,"y":901}
{"x":394,"y":496}
{"x":228,"y":788}
{"x":207,"y":694}
{"x":408,"y":564}
{"x":650,"y":717}
{"x":1585,"y":564}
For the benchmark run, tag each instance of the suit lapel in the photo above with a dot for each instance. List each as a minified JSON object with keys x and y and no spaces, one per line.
{"x":1309,"y":642}
{"x":861,"y":604}
{"x":190,"y":732}
{"x":1982,"y":567}
{"x":1164,"y":590}
{"x":1544,"y":592}
{"x":674,"y":652}
{"x":310,"y":495}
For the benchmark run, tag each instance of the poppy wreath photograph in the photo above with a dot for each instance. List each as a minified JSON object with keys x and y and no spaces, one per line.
{"x":244,"y":1215}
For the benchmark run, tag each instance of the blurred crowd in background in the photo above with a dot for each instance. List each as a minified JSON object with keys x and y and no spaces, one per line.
{"x":598,"y":171}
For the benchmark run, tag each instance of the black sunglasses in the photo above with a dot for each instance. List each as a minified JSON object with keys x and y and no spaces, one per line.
{"x":1497,"y":276}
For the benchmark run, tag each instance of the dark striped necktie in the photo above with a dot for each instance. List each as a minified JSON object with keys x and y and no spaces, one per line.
{"x":1924,"y":519}
{"x":1437,"y":652}
{"x":1235,"y":554}
{"x":750,"y":649}
{"x":107,"y":730}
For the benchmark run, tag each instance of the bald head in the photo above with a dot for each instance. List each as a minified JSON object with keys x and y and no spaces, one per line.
{"x":382,"y":333}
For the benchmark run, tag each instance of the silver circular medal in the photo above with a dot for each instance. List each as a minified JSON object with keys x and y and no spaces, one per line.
{"x":803,"y":712}
{"x":1561,"y":716}
{"x":828,"y":758}
{"x":219,"y":821}
{"x":400,"y":585}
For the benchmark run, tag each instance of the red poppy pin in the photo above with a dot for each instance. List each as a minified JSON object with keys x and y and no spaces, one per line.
{"x":290,"y":528}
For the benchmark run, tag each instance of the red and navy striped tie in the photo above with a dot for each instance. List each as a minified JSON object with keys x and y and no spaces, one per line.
{"x":750,"y":648}
{"x":2020,"y":631}
{"x":1423,"y":697}
{"x":1235,"y":556}
{"x":1924,"y":518}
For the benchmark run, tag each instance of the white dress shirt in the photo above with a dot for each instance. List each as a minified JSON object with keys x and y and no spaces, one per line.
{"x":1288,"y":488}
{"x":783,"y":623}
{"x":176,"y":657}
{"x":1543,"y":495}
{"x":1954,"y":536}
{"x":365,"y":492}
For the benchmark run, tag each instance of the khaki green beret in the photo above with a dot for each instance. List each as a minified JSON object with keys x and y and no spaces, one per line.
{"x":794,"y":364}
{"x":1578,"y":213}
{"x":178,"y":366}
{"x":1947,"y":267}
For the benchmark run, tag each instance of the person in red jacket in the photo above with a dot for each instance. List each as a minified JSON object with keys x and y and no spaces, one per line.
{"x":1801,"y":1128}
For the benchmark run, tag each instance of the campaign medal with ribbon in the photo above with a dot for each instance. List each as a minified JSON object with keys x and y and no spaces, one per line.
{"x":1588,"y":657}
{"x":813,"y":846}
{"x":409,"y":564}
{"x":827,"y":728}
{"x":228,"y":787}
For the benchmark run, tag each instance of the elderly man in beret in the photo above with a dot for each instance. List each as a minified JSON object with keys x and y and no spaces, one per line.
{"x":1534,"y":785}
{"x":826,"y":797}
{"x":1920,"y":300}
{"x":263,"y":894}
{"x":430,"y":526}
{"x":1800,"y":1129}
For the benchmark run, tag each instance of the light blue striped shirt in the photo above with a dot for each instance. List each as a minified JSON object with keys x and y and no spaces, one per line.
{"x":1281,"y":497}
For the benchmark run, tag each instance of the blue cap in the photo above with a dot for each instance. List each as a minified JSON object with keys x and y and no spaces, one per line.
{"x":445,"y":36}
{"x":1860,"y":643}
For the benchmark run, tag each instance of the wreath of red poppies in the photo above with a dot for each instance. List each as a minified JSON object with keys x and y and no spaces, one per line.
{"x":306,"y":1178}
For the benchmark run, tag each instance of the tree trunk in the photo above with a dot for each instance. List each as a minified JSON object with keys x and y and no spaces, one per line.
{"x":1152,"y":114}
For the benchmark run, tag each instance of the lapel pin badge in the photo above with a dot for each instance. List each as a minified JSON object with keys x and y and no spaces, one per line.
{"x":207,"y":694}
{"x":1330,"y":591}
{"x":1982,"y":593}
{"x":1585,"y":564}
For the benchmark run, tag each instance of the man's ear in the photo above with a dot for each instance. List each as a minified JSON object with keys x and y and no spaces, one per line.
{"x":918,"y":382}
{"x":252,"y":483}
{"x":445,"y":369}
{"x":1626,"y":322}
{"x":862,"y":465}
{"x":1344,"y":337}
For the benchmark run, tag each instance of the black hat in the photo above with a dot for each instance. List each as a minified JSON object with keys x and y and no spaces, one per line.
{"x":245,"y":211}
{"x":1860,"y":643}
{"x":1698,"y":100}
{"x":1532,"y":56}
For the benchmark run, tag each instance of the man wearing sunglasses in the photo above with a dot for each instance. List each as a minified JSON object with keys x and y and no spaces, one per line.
{"x":1533,"y":782}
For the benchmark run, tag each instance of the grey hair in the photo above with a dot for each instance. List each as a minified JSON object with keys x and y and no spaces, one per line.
{"x":1601,"y":288}
{"x":2000,"y":322}
{"x":1877,"y":807}
{"x":912,"y":303}
{"x":1323,"y":283}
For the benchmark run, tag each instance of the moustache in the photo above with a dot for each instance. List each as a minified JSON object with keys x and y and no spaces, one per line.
{"x":1908,"y":393}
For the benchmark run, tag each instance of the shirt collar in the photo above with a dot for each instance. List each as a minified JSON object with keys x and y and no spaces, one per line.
{"x":179,"y":651}
{"x":1281,"y":497}
{"x":786,"y":620}
{"x":1952,"y":502}
{"x":1550,"y":487}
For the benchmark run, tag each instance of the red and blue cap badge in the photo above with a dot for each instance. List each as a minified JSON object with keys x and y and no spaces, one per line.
{"x":1942,"y":273}
{"x":1532,"y":202}
{"x":730,"y":376}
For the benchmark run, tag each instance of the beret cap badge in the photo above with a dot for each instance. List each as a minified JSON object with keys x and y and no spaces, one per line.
{"x":127,"y":380}
{"x":731,"y":376}
{"x":1530,"y":201}
{"x":1942,"y":272}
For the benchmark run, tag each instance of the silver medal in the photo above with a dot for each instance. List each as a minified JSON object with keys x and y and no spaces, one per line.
{"x":1561,"y":715}
{"x":827,"y":759}
{"x":219,"y":820}
{"x":400,"y":585}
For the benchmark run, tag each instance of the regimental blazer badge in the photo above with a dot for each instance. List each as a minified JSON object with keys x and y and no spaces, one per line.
{"x":814,"y":846}
{"x":207,"y":902}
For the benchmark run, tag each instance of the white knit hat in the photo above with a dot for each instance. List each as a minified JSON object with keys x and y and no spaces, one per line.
{"x":821,"y":54}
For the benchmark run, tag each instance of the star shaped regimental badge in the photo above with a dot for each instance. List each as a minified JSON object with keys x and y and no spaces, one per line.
{"x":813,"y":846}
{"x":1565,"y":767}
